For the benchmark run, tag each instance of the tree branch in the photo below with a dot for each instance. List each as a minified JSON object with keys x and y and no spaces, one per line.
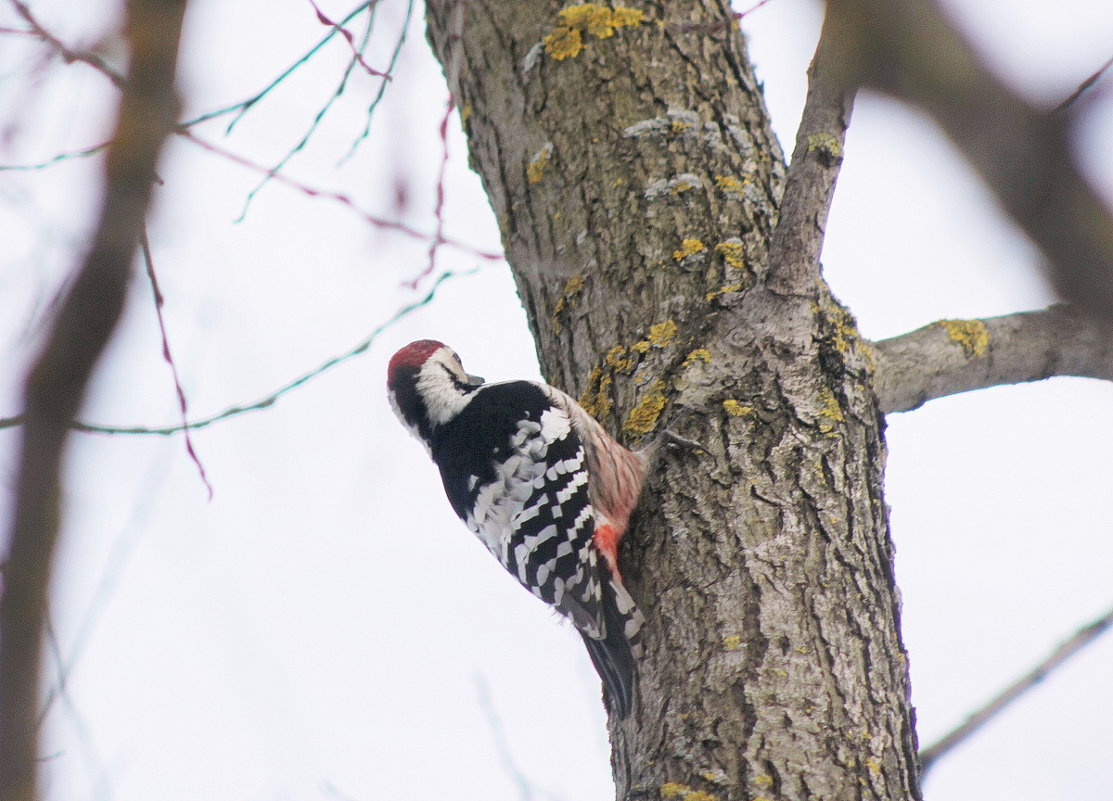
{"x":68,"y":54}
{"x":1084,"y":87}
{"x":952,"y":356}
{"x":273,"y":397}
{"x":930,"y":756}
{"x":56,"y":384}
{"x":907,"y":48}
{"x":810,"y":180}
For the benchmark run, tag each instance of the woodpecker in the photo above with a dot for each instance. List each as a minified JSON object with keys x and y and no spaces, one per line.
{"x":542,"y":485}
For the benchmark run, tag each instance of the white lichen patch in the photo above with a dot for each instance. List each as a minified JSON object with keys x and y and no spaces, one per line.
{"x":676,"y":122}
{"x":534,"y":53}
{"x":644,"y":128}
{"x":672,"y":187}
{"x":725,"y":136}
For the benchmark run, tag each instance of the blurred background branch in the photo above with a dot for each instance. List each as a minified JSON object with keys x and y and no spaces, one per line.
{"x":56,"y":385}
{"x":930,"y":756}
{"x":910,"y":49}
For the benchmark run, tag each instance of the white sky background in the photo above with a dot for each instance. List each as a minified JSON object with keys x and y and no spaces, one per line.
{"x":322,"y":627}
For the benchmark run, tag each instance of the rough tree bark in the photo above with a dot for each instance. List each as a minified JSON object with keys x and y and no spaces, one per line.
{"x":637,"y":183}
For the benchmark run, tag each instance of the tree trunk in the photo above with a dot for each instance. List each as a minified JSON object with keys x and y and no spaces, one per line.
{"x":629,"y":158}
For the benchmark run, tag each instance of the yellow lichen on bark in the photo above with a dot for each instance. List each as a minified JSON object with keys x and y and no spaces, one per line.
{"x":596,"y":398}
{"x":731,"y":250}
{"x":683,"y":792}
{"x":617,"y":359}
{"x":831,"y":412}
{"x":826,"y":143}
{"x":723,"y":290}
{"x":535,"y":170}
{"x":688,"y":247}
{"x":567,"y":38}
{"x":698,"y":355}
{"x":564,"y":43}
{"x":661,"y":334}
{"x":643,"y":417}
{"x":971,"y":334}
{"x":736,"y":409}
{"x":572,"y":291}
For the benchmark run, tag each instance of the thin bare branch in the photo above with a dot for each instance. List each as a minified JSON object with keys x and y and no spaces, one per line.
{"x":270,"y":399}
{"x":60,"y":157}
{"x":952,"y":356}
{"x":527,"y":791}
{"x":56,"y":384}
{"x":357,"y":50}
{"x":317,"y":119}
{"x":245,"y":105}
{"x":68,"y":54}
{"x":910,"y":50}
{"x":1084,"y":87}
{"x":438,"y":208}
{"x":810,"y":181}
{"x":931,"y":755}
{"x":390,"y":225}
{"x":183,"y":406}
{"x":381,"y":91}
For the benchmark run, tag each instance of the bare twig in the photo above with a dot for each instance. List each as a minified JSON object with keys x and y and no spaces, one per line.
{"x":72,"y":154}
{"x":317,"y":119}
{"x":94,"y":762}
{"x":1084,"y":87}
{"x":366,"y":132}
{"x":953,"y":356}
{"x":148,"y":262}
{"x":242,"y":106}
{"x":526,"y":788}
{"x":810,"y":181}
{"x":452,"y":77}
{"x":379,"y":222}
{"x":68,"y":54}
{"x":438,"y":209}
{"x":751,"y":9}
{"x":154,"y":482}
{"x":930,"y":756}
{"x":273,"y":397}
{"x":339,"y":197}
{"x":56,"y":384}
{"x":357,"y":52}
{"x":245,"y":105}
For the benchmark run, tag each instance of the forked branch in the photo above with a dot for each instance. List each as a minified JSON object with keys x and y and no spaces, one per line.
{"x":810,"y":181}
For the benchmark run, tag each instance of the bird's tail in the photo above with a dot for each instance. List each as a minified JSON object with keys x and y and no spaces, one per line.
{"x":614,"y":655}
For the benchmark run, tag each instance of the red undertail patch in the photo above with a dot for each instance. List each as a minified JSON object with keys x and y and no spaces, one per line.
{"x":606,"y":540}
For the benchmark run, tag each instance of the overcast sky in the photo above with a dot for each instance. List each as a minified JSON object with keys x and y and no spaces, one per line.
{"x":325,"y":627}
